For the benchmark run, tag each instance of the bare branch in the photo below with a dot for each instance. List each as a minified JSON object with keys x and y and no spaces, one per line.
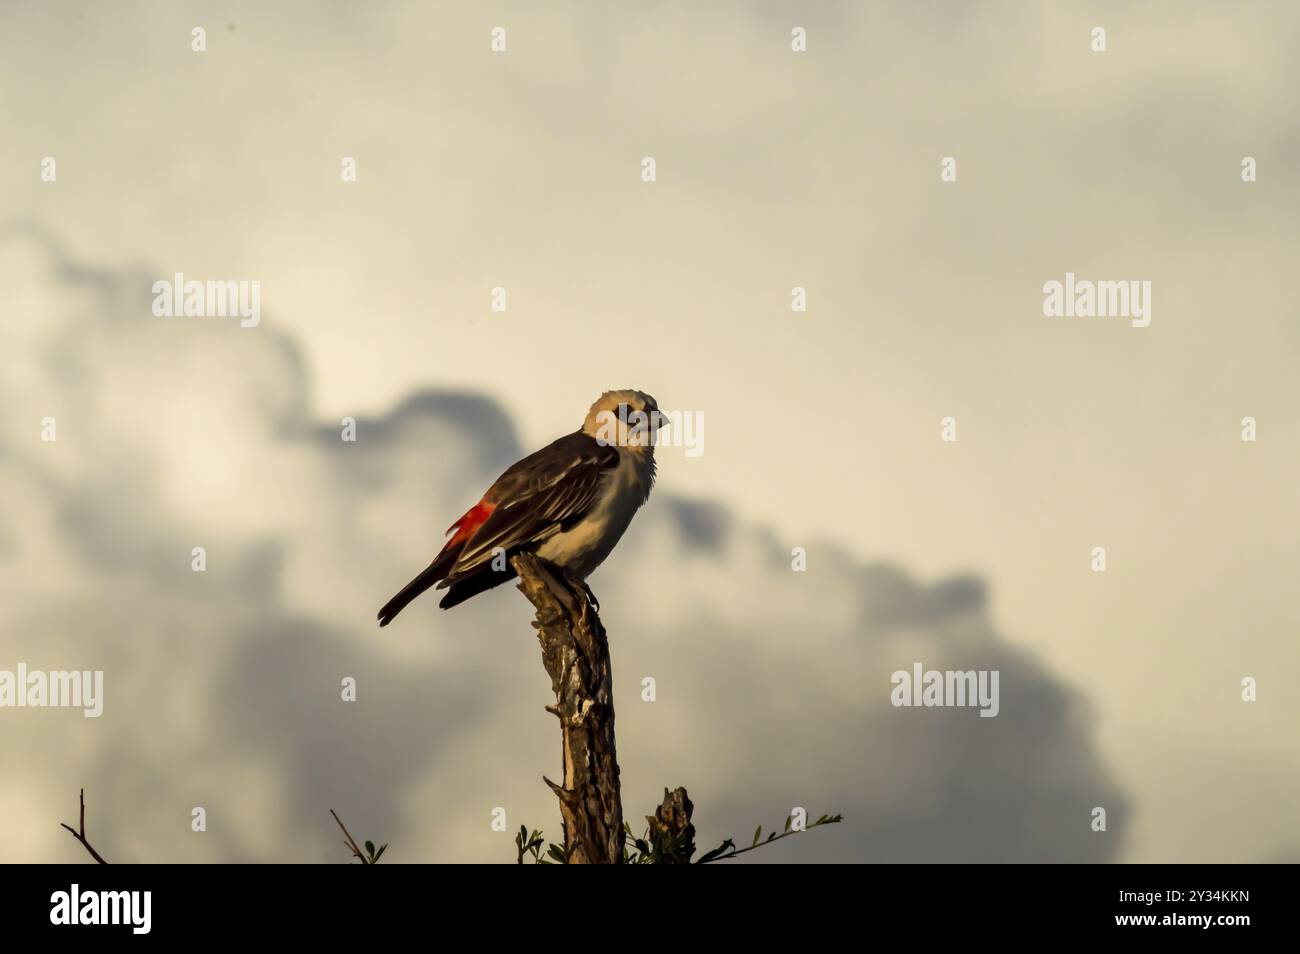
{"x":79,"y":833}
{"x":350,"y":843}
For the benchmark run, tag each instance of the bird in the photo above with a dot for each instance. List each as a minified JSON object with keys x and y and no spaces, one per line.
{"x":569,"y":503}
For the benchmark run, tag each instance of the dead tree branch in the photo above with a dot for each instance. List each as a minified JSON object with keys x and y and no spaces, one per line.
{"x":79,"y":832}
{"x":576,"y":656}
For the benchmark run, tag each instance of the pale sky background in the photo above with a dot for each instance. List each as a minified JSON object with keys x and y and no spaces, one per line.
{"x":775,"y":169}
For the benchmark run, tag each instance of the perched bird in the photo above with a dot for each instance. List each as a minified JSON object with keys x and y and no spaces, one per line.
{"x":569,"y":503}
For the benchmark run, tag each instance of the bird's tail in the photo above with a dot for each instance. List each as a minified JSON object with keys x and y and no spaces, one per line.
{"x":476,"y":583}
{"x":430,"y":575}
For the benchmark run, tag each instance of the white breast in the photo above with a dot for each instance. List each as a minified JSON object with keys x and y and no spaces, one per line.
{"x":584,"y":546}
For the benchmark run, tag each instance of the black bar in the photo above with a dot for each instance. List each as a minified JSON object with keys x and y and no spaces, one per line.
{"x":333,"y":902}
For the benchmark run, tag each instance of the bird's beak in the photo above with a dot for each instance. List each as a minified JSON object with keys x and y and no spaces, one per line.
{"x":655,"y":421}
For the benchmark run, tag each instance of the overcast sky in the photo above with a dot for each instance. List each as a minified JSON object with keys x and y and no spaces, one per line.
{"x":775,"y":169}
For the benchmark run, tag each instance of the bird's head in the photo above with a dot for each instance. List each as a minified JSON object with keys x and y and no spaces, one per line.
{"x":627,"y":419}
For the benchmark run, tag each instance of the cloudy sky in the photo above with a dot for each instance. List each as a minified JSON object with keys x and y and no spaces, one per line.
{"x":775,"y":169}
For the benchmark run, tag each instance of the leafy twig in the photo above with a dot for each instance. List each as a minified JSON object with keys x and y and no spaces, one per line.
{"x":531,"y":844}
{"x":371,"y":856}
{"x":728,"y":850}
{"x":669,"y":838}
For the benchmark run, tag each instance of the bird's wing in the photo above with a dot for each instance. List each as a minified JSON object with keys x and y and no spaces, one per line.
{"x":537,"y":497}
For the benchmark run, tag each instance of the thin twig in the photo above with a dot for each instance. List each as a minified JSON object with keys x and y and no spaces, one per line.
{"x":829,"y":820}
{"x":350,"y":843}
{"x":81,"y":835}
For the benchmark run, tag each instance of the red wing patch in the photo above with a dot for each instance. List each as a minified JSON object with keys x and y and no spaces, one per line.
{"x":471,"y":521}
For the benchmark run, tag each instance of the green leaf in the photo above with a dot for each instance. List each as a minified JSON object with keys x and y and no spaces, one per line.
{"x":758,"y":833}
{"x":722,"y":849}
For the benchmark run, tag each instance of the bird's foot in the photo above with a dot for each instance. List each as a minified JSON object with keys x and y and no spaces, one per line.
{"x":579,"y":584}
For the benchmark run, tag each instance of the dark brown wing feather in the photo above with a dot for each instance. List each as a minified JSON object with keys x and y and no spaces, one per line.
{"x":537,"y":497}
